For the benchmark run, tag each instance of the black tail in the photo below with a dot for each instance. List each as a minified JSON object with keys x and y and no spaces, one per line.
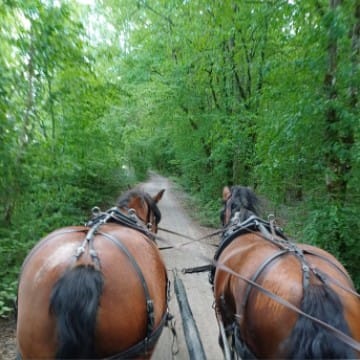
{"x":309,"y":340}
{"x":74,"y":301}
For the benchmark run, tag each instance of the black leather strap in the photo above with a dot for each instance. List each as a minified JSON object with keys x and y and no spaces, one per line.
{"x":149,"y":302}
{"x":115,"y":215}
{"x":260,"y":269}
{"x":144,"y":345}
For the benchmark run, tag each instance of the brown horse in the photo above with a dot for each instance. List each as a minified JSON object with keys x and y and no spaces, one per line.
{"x":275,"y":299}
{"x":95,"y":291}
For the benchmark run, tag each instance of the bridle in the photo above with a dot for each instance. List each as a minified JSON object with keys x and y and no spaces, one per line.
{"x":149,"y":223}
{"x":153,"y":215}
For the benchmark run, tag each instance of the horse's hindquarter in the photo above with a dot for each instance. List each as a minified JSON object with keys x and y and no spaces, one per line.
{"x":264,"y":323}
{"x":122,"y":316}
{"x":337,"y":274}
{"x":36,"y":335}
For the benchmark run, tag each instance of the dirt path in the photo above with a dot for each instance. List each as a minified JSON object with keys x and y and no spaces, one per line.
{"x":174,"y":217}
{"x":7,"y":339}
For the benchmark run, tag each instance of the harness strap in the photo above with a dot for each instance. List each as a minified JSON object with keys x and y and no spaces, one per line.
{"x":233,"y":345}
{"x":149,"y":302}
{"x":115,"y":215}
{"x":342,"y":336}
{"x":251,"y":225}
{"x":152,"y":335}
{"x":259,"y":271}
{"x":329,"y":261}
{"x":223,"y":333}
{"x":254,"y":223}
{"x":143,"y":345}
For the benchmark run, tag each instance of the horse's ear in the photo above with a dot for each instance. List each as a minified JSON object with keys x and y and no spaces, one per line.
{"x":226,"y":193}
{"x":159,"y":195}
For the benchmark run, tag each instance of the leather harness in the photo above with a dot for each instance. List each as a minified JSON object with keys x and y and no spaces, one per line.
{"x":273,"y":234}
{"x":132,"y":221}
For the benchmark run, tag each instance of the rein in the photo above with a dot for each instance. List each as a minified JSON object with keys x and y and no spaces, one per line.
{"x":192,"y":240}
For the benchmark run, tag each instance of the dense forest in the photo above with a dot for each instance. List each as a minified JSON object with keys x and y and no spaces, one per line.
{"x":262,"y":93}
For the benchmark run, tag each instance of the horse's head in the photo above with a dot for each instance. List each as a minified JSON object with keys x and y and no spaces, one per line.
{"x":239,"y":200}
{"x":144,"y":206}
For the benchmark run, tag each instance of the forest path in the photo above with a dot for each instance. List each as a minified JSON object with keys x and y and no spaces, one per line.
{"x":198,"y":289}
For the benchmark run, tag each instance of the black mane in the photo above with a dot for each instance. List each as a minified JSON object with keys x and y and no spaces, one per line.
{"x":244,"y":201}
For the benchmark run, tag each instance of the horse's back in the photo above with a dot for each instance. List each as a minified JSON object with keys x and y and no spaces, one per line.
{"x":122,"y":312}
{"x":250,"y":256}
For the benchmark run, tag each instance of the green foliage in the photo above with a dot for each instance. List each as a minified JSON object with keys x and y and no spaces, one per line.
{"x":61,"y":149}
{"x":216,"y":93}
{"x":237,"y":94}
{"x":335,"y":228}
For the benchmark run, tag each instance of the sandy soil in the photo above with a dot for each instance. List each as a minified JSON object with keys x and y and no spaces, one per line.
{"x":7,"y":339}
{"x":175,"y":218}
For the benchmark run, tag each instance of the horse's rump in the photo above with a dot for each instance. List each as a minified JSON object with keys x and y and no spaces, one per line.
{"x":256,"y":313}
{"x":265,"y":324}
{"x":122,"y":317}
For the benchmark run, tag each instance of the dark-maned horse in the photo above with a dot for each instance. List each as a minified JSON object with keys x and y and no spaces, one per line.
{"x":96,"y":291}
{"x":260,"y":275}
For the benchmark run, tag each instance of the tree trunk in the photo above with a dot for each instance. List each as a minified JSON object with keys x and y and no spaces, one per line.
{"x":337,"y":135}
{"x":355,"y":58}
